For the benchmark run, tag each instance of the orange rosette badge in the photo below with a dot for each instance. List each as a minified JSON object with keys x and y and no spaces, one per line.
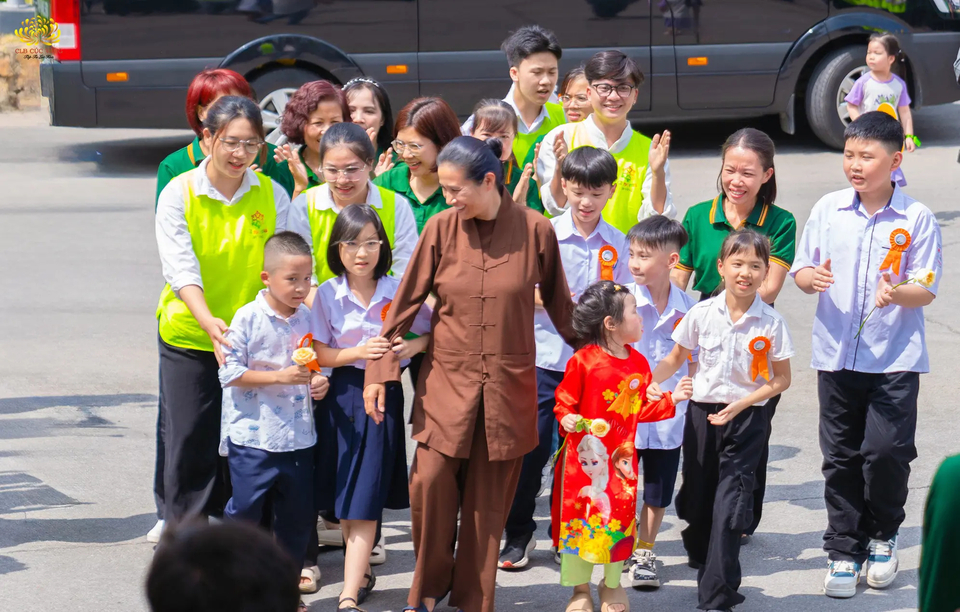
{"x":676,"y":324}
{"x":305,"y":355}
{"x":759,"y":347}
{"x":608,"y":259}
{"x":899,"y":242}
{"x":386,"y":309}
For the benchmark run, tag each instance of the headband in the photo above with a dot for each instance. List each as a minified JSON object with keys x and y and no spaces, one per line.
{"x":362,"y":80}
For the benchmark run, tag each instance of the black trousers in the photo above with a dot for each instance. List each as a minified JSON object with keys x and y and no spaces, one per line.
{"x":769,"y":410}
{"x":716,"y":497}
{"x":868,"y":425}
{"x":196,"y":479}
{"x":158,"y":462}
{"x":520,"y":521}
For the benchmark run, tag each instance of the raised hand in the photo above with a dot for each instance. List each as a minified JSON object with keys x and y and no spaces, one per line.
{"x":385,"y":162}
{"x":520,"y":191}
{"x":659,"y":151}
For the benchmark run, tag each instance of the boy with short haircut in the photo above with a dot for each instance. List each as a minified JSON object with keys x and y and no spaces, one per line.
{"x":534,"y":54}
{"x":865,"y":246}
{"x":654,"y":249}
{"x":643,"y":182}
{"x":590,"y":250}
{"x":267,"y":428}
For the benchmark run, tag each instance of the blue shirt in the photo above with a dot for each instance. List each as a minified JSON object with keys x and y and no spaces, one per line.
{"x":655,"y":344}
{"x":275,"y":418}
{"x":839,"y":229}
{"x":581,"y":264}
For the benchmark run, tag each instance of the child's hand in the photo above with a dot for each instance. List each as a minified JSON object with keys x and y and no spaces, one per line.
{"x":385,"y":162}
{"x":404,"y":349}
{"x":319,"y":385}
{"x":375,"y":348}
{"x":726,"y":415}
{"x":684,"y":390}
{"x":910,"y":145}
{"x":569,"y":422}
{"x":884,"y":291}
{"x":294,"y":375}
{"x":654,"y":394}
{"x":822,"y":277}
{"x":659,"y":151}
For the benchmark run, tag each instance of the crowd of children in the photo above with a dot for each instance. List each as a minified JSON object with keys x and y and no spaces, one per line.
{"x":280,"y":282}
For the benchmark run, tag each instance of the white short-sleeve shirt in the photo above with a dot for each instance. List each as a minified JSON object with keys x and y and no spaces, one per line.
{"x":725,"y":358}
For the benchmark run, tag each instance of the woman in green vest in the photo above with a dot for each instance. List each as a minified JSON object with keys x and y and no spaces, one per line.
{"x":346,"y":158}
{"x":211,"y":226}
{"x":748,"y":190}
{"x":205,"y":89}
{"x":424,"y":127}
{"x":311,"y":111}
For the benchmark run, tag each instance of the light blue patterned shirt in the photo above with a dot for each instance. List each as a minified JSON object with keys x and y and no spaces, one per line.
{"x":274,"y":418}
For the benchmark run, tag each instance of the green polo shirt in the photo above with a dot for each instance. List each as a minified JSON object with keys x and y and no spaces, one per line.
{"x":511,"y":178}
{"x":190,"y":156}
{"x":707,"y":227}
{"x":398,"y":179}
{"x":939,"y":590}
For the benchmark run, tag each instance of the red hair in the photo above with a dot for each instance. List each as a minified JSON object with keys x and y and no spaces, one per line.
{"x":305,"y":101}
{"x":211,"y":84}
{"x":432,"y":118}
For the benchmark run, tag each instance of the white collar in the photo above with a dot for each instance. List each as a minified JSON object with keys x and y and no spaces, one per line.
{"x":343,"y":291}
{"x":533,"y":127}
{"x":264,"y":305}
{"x":674,"y":302}
{"x":565,"y":228}
{"x":203,"y":186}
{"x":322,"y":199}
{"x":598,"y":138}
{"x":755,"y":311}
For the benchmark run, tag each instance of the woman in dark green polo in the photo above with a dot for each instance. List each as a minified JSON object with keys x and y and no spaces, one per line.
{"x":748,"y":189}
{"x":205,"y":89}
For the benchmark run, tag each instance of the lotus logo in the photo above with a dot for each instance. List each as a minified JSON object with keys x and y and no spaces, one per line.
{"x":38,"y":31}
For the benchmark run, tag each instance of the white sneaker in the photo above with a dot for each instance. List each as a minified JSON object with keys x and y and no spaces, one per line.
{"x":379,"y":554}
{"x":643,"y":575}
{"x":842,"y":579}
{"x":882,"y":564}
{"x":154,"y":534}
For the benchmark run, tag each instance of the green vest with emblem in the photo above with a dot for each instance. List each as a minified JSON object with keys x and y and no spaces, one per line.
{"x":622,"y":209}
{"x":321,"y":226}
{"x":228,"y":244}
{"x":523,"y":142}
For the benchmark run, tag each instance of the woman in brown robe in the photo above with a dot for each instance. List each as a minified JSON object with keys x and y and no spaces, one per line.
{"x":475,"y":412}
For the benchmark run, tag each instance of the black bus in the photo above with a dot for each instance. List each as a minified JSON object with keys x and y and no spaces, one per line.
{"x":127,"y":63}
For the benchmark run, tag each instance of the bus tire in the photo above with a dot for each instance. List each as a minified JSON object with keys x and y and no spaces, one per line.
{"x":830,"y":82}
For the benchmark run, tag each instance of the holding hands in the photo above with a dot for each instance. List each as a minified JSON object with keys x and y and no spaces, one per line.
{"x":683,"y":392}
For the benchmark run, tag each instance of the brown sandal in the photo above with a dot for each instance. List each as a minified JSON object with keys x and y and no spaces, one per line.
{"x":610,"y":597}
{"x":580,"y":602}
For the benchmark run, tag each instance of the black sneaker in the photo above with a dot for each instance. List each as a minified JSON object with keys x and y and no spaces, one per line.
{"x":644,"y":572}
{"x":692,"y":564}
{"x":516,"y":552}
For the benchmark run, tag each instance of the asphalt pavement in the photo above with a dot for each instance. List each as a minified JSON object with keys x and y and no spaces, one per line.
{"x":78,"y":390}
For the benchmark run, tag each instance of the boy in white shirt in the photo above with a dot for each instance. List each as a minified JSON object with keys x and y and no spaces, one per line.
{"x":868,"y":246}
{"x":590,"y":250}
{"x":267,"y":428}
{"x":655,"y":245}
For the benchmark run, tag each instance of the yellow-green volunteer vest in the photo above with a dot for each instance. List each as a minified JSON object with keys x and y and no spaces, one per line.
{"x":321,"y":226}
{"x":524,"y":142}
{"x":622,"y":209}
{"x":228,"y":243}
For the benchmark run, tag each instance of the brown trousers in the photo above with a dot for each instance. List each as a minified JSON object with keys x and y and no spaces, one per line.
{"x":482,"y":491}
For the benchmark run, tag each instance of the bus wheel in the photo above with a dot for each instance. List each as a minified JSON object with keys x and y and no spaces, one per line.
{"x":273,"y":89}
{"x":830,"y":83}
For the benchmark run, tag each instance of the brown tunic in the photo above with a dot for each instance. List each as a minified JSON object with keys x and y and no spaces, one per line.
{"x":482,"y":346}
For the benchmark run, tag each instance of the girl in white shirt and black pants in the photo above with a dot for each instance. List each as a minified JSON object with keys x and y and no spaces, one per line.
{"x":745,"y":351}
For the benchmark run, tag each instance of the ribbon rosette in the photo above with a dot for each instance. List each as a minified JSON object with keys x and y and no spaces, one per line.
{"x":759,"y":347}
{"x":608,"y":259}
{"x":305,"y":355}
{"x":899,"y":241}
{"x":386,"y":309}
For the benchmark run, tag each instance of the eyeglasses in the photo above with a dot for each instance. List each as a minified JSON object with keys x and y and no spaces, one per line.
{"x":579,"y":99}
{"x":352,"y":246}
{"x":623,"y":90}
{"x":250,"y":146}
{"x":399,"y":146}
{"x":353,"y":173}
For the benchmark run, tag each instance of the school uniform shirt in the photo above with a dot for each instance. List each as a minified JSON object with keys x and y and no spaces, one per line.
{"x":580,"y":258}
{"x":341,"y":321}
{"x":723,"y":373}
{"x":655,"y":344}
{"x":397,"y":179}
{"x":178,"y":261}
{"x":273,"y":418}
{"x":707,"y":228}
{"x":405,"y":231}
{"x":858,"y":246}
{"x":190,"y":156}
{"x":547,"y":165}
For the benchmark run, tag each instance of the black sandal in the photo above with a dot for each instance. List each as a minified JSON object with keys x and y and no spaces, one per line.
{"x":364,"y":592}
{"x":353,"y":608}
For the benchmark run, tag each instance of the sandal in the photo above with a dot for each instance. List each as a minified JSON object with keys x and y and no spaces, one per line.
{"x":364,"y":592}
{"x":353,"y":608}
{"x":610,"y":597}
{"x":580,"y":602}
{"x":302,"y":607}
{"x":312,"y":574}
